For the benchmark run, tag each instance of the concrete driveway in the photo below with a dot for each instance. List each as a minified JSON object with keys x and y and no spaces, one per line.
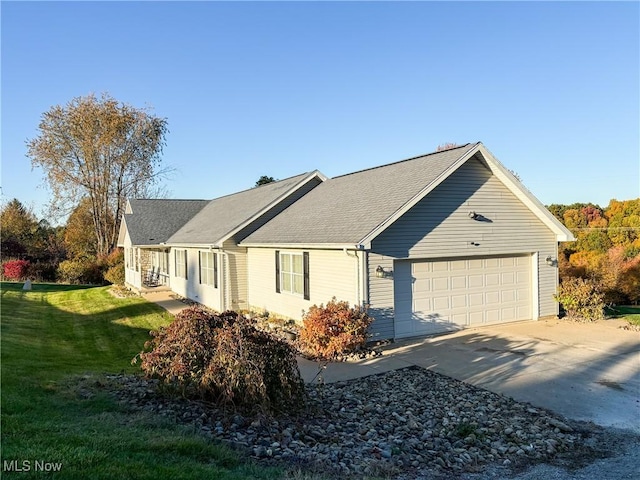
{"x":587,"y":372}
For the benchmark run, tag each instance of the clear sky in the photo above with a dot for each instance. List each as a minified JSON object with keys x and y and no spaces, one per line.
{"x":251,"y":89}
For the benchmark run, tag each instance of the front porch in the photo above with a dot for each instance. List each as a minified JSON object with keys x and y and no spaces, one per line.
{"x":147,"y":270}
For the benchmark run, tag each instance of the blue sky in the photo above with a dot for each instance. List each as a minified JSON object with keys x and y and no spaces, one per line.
{"x":251,"y":89}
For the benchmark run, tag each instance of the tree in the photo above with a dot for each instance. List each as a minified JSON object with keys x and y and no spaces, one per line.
{"x":79,"y":235}
{"x":263,"y":180}
{"x":446,"y":146}
{"x":100,"y":149}
{"x":19,"y":230}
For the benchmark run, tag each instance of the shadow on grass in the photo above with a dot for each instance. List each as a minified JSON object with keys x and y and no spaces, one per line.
{"x":43,"y":287}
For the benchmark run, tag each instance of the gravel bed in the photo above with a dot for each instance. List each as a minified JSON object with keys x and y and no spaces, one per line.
{"x":406,"y":424}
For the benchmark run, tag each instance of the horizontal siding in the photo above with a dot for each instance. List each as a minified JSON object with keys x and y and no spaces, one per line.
{"x":191,"y":287}
{"x":439,"y":227}
{"x":380,"y":296}
{"x":332,"y":273}
{"x":237,"y":275}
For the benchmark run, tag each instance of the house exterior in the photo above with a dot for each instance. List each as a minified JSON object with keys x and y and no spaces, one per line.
{"x":203,"y":259}
{"x":430,"y":244}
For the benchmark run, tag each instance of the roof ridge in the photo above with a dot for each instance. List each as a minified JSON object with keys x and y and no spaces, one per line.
{"x":250,"y":189}
{"x":400,"y":161}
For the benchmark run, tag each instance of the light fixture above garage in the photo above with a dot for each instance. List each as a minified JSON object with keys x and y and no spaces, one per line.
{"x":380,"y":273}
{"x":473,"y":215}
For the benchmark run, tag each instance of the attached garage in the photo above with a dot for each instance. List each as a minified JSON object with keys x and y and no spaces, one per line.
{"x":450,"y":294}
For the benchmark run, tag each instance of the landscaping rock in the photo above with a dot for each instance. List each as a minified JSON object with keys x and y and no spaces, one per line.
{"x":410,"y":422}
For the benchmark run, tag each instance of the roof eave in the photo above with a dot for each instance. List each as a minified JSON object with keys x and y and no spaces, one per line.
{"x":315,"y":246}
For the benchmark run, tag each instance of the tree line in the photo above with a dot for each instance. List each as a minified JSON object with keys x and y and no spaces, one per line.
{"x":606,"y":253}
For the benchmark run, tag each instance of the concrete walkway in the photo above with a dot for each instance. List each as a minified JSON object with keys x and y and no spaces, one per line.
{"x":587,"y":372}
{"x":166,"y":301}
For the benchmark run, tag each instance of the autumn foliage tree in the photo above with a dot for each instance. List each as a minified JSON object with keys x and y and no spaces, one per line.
{"x":101,"y":150}
{"x":607,"y":247}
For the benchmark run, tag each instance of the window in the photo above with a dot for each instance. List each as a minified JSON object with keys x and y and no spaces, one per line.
{"x":209,"y":269}
{"x":160,"y":261}
{"x":292,"y":273}
{"x":131,"y":262}
{"x":181,"y":263}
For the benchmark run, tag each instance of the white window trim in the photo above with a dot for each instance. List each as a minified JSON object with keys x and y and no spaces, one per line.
{"x":210,"y":268}
{"x":291,"y":273}
{"x":182,"y":264}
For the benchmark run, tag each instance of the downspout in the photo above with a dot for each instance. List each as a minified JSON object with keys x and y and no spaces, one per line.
{"x":225,"y":281}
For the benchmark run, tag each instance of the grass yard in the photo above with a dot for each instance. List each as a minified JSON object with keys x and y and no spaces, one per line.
{"x":630,"y":313}
{"x":51,"y":336}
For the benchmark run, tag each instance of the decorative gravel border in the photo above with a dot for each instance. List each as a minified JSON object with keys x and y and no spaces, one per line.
{"x":405,"y":423}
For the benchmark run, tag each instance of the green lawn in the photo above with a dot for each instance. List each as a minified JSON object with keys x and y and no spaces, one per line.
{"x":56,"y":333}
{"x":629,"y":313}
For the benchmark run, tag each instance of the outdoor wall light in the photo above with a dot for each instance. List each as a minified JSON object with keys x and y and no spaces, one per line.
{"x":550,"y":261}
{"x":473,"y":215}
{"x":380,"y":273}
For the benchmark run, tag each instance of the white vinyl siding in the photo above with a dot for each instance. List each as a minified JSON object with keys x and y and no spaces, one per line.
{"x":331,"y":273}
{"x":208,"y":269}
{"x":291,"y":273}
{"x":190,"y":287}
{"x":237,"y":275}
{"x":181,"y":263}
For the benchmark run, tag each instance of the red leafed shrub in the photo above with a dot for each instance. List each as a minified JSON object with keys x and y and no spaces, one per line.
{"x":224,"y":358}
{"x":334,"y":329}
{"x":15,"y":269}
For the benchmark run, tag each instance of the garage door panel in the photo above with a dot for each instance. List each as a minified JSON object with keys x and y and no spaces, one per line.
{"x":476,"y":299}
{"x":522,"y":278}
{"x":436,"y":296}
{"x":508,"y":296}
{"x":476,"y":281}
{"x":422,"y":285}
{"x":508,"y":278}
{"x":458,"y":283}
{"x":440,"y":284}
{"x":458,"y":301}
{"x":476,"y":317}
{"x":441,"y":303}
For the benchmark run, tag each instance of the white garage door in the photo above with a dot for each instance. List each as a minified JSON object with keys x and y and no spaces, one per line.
{"x":439,"y":296}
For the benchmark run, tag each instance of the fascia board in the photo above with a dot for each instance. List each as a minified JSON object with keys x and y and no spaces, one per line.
{"x":312,"y":246}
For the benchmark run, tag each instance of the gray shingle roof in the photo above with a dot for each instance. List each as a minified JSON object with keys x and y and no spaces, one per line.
{"x":224,"y":215}
{"x":153,"y":221}
{"x":345,"y":209}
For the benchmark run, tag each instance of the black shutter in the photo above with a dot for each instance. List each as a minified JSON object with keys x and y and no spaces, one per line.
{"x":305,"y":271}
{"x":215,"y":270}
{"x":277,"y":271}
{"x":200,"y":267}
{"x":186,"y":271}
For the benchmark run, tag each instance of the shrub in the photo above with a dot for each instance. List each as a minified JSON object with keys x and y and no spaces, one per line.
{"x":43,"y":271}
{"x":85,"y":270}
{"x":224,"y":358}
{"x":581,"y":299}
{"x":335,"y":329}
{"x":115,"y":267}
{"x":15,"y":269}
